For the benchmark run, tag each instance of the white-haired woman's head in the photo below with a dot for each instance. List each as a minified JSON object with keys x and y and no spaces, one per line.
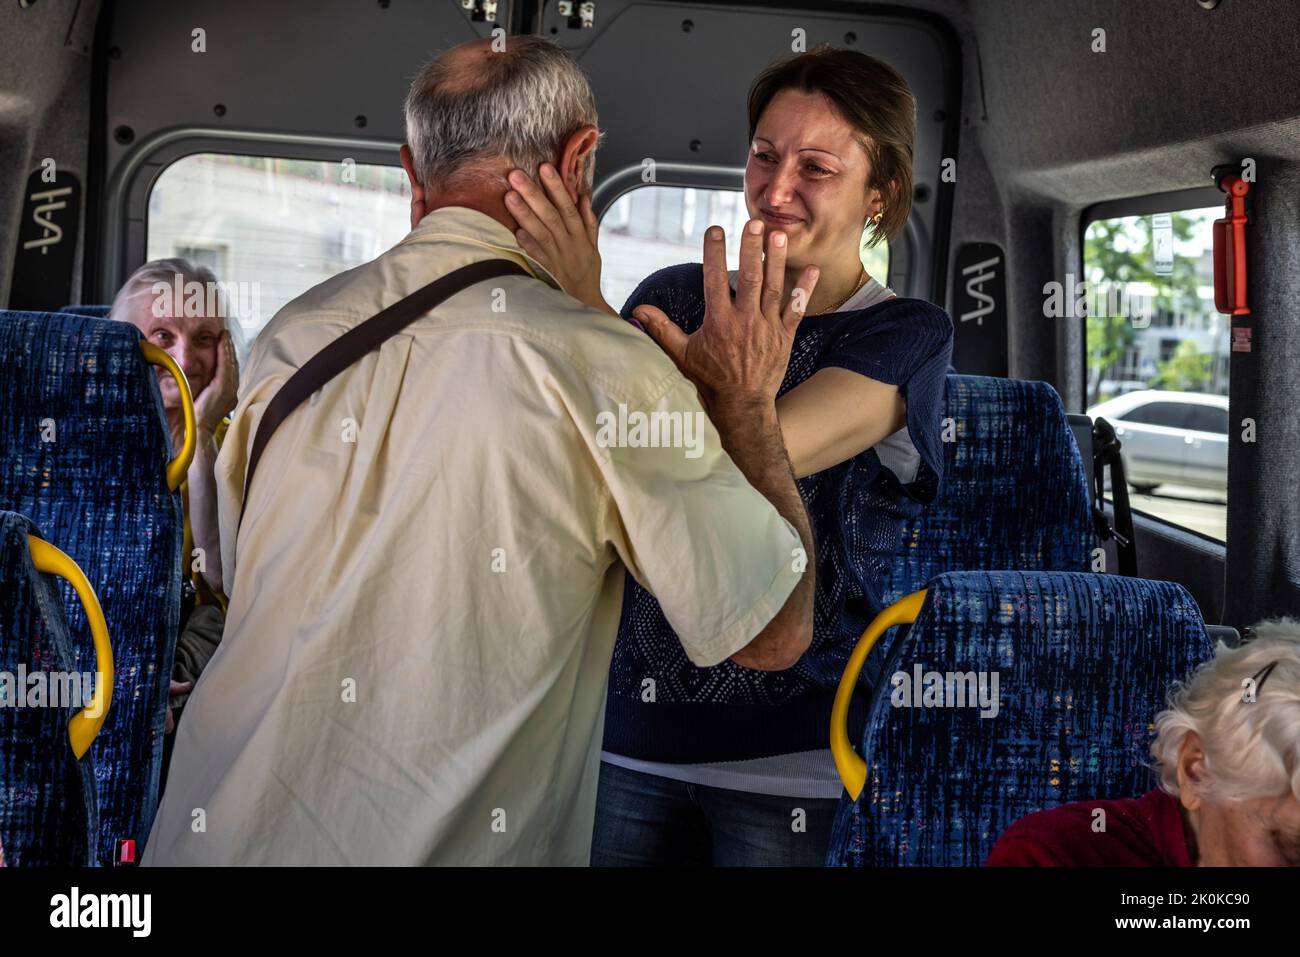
{"x":1228,"y":747}
{"x":181,"y":308}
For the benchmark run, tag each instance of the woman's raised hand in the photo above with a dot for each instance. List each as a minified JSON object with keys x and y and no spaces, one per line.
{"x":217,"y":400}
{"x":558,"y":234}
{"x":741,"y":350}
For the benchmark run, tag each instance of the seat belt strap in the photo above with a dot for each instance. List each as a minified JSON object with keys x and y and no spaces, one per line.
{"x":1106,"y":452}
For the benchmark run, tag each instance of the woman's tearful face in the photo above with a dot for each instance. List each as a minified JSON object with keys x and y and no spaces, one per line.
{"x":807,"y":176}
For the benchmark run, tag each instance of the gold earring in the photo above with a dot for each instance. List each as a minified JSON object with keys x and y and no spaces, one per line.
{"x":875,"y":220}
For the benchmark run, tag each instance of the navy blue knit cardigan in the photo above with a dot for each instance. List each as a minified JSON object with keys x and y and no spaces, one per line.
{"x":857,"y":509}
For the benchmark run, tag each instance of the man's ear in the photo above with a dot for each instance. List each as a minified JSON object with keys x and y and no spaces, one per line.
{"x":579,"y":150}
{"x":418,"y":208}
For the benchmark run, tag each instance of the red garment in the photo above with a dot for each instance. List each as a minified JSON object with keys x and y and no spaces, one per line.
{"x":1146,"y":832}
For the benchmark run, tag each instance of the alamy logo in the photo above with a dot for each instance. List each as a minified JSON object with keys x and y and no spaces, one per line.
{"x":651,"y":430}
{"x":49,"y":689}
{"x":103,"y":910}
{"x":194,"y":299}
{"x":946,"y":689}
{"x":1079,"y":298}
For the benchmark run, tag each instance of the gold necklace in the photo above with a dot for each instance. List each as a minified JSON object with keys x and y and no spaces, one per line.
{"x":854,"y":292}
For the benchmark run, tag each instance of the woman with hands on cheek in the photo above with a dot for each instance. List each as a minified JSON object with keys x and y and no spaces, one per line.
{"x":730,"y":764}
{"x":203,"y":345}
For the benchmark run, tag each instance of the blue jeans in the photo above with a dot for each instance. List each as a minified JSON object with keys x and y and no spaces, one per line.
{"x":644,"y":820}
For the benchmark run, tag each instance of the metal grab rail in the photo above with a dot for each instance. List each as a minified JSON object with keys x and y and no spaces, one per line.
{"x":85,"y":724}
{"x":180,"y":465}
{"x":852,"y":768}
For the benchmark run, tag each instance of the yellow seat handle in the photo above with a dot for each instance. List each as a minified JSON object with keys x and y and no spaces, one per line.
{"x":85,"y":724}
{"x":180,"y":465}
{"x":852,"y":768}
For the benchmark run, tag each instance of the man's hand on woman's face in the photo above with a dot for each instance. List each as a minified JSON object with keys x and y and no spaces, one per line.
{"x":558,"y":234}
{"x":217,"y":399}
{"x":741,"y":350}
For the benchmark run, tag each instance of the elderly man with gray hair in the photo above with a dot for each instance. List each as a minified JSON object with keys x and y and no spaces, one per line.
{"x":1227,"y":752}
{"x":425,"y":527}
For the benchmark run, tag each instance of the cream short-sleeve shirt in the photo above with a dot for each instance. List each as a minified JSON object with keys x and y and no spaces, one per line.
{"x":426,"y":587}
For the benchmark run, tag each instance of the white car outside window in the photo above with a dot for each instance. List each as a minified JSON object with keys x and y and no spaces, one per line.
{"x":1177,"y":438}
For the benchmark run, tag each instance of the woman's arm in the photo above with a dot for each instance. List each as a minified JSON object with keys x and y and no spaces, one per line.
{"x":836,"y":414}
{"x":558,"y":234}
{"x":213,"y":404}
{"x":202,"y":490}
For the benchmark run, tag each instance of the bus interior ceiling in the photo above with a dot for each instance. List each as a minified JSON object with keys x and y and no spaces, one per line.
{"x":1040,"y":122}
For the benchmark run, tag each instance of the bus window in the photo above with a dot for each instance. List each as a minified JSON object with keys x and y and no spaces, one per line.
{"x":651,"y":227}
{"x":1157,"y":354}
{"x":274,"y":227}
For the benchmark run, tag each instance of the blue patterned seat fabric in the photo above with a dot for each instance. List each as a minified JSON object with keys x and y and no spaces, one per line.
{"x":100,"y":312}
{"x":1014,"y":494}
{"x":98,"y":491}
{"x":47,"y":796}
{"x":1084,"y":663}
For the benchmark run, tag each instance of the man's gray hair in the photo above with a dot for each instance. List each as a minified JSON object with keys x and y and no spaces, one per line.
{"x":522,"y":104}
{"x":1244,"y":705}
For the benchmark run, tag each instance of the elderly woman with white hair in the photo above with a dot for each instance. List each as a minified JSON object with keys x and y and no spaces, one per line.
{"x":181,"y":308}
{"x":1227,"y":752}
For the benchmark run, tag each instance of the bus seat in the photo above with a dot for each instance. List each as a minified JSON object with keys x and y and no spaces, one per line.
{"x":90,"y":450}
{"x":1081,"y":426}
{"x":100,"y":312}
{"x":47,"y":796}
{"x":1014,"y":495}
{"x":1084,"y":663}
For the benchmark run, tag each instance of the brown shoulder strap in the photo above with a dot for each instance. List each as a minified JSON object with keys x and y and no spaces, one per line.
{"x":363,"y":338}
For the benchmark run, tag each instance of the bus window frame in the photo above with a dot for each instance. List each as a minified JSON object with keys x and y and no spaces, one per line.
{"x":1174,"y":201}
{"x":125,"y":236}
